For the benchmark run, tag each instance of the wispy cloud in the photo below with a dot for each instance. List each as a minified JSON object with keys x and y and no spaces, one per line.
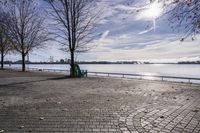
{"x":104,"y":35}
{"x":127,"y":8}
{"x":152,"y":48}
{"x":145,"y":31}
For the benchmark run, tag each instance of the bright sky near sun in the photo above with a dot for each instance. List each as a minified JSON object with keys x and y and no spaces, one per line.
{"x":130,"y":35}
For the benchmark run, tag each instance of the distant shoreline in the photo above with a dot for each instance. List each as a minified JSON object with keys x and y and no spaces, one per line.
{"x":102,"y":62}
{"x":91,"y":63}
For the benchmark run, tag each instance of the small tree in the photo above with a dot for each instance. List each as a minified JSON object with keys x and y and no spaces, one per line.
{"x":4,"y":38}
{"x":75,"y":21}
{"x":26,"y":27}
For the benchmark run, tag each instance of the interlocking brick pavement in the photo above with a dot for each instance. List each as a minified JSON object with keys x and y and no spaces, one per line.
{"x":46,"y":102}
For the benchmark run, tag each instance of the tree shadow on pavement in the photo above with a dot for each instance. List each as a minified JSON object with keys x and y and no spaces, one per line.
{"x":60,"y":78}
{"x":33,"y":81}
{"x":20,"y":83}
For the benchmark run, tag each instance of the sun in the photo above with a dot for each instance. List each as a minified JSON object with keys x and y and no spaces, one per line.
{"x":152,"y":11}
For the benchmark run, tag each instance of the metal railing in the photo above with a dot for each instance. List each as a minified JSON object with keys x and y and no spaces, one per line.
{"x":123,"y":75}
{"x":48,"y":70}
{"x":143,"y":76}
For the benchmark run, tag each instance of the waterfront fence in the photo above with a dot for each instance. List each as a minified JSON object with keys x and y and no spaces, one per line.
{"x":123,"y":75}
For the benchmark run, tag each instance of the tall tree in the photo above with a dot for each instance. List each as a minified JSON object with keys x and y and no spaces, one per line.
{"x":26,"y":27}
{"x":75,"y":21}
{"x":5,"y":46}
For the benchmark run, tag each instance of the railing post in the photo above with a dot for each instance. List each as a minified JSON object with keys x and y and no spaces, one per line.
{"x":108,"y":74}
{"x":162,"y":78}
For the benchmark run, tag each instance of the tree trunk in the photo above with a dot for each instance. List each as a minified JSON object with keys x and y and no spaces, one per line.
{"x":72,"y":64}
{"x":2,"y":60}
{"x":23,"y":62}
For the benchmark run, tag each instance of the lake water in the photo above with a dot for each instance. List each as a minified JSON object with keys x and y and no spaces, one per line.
{"x":181,"y":70}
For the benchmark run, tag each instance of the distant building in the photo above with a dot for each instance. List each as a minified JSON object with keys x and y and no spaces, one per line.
{"x":66,"y":60}
{"x":51,"y":59}
{"x":62,"y":61}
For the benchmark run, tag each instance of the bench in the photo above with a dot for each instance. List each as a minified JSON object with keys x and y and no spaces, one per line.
{"x":79,"y":72}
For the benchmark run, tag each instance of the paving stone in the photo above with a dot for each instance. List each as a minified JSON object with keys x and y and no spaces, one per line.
{"x":39,"y":103}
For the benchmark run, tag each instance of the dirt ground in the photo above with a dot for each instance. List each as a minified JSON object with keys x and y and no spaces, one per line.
{"x":49,"y":102}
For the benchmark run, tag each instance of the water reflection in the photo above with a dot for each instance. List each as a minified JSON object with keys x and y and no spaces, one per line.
{"x":150,"y":76}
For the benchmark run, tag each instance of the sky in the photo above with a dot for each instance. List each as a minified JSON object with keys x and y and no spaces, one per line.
{"x":126,"y":34}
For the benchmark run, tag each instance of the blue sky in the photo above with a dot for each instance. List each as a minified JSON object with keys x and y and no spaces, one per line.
{"x":128,"y":35}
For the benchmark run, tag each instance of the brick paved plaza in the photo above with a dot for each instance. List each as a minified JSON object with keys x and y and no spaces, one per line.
{"x":46,"y":102}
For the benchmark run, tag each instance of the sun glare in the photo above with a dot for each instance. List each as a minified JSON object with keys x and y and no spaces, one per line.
{"x":153,"y":11}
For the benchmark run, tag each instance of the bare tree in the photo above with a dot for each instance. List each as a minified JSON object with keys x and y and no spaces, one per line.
{"x":75,"y":21}
{"x":184,"y":15}
{"x":26,"y":27}
{"x":4,"y":45}
{"x":4,"y":38}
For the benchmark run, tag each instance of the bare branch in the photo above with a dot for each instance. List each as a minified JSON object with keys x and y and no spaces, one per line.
{"x":26,"y":26}
{"x":184,"y":15}
{"x":75,"y":21}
